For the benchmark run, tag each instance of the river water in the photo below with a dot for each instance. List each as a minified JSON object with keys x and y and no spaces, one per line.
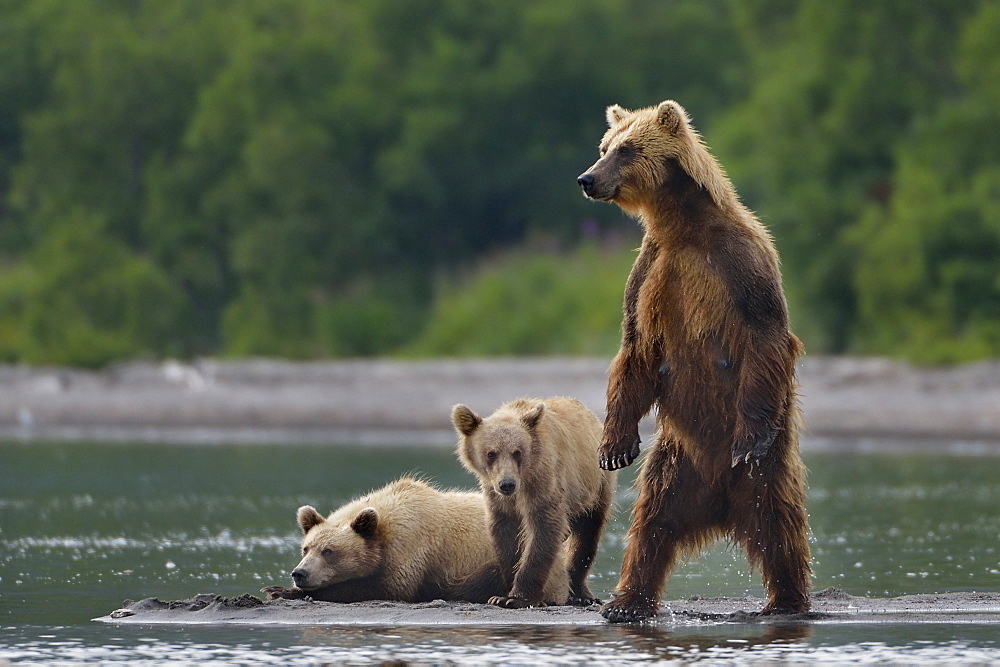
{"x":84,"y":526}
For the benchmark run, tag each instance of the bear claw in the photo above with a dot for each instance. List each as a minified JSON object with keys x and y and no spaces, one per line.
{"x":617,"y":461}
{"x":509,"y":603}
{"x":621,"y":611}
{"x":583,"y":601}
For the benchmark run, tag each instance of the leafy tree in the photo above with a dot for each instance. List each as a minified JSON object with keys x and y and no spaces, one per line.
{"x":928,"y":279}
{"x":312,"y":177}
{"x":83,"y":298}
{"x":837,"y":86}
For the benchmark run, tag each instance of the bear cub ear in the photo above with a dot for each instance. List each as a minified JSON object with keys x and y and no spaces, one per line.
{"x":671,"y":116}
{"x":465,"y":420}
{"x":533,"y":416}
{"x":308,"y":517}
{"x":366,"y":522}
{"x":616,"y":114}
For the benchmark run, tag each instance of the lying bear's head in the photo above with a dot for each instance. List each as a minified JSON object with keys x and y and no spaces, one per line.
{"x":499,"y":448}
{"x":337,"y":549}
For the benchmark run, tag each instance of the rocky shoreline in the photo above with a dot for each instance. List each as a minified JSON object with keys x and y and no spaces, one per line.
{"x":853,"y":402}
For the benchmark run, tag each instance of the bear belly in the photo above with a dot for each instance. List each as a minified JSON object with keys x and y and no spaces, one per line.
{"x":696,"y":402}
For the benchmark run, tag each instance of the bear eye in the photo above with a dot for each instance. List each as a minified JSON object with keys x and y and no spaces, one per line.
{"x":305,"y":550}
{"x":491,"y":457}
{"x":327,"y":553}
{"x":517,"y":455}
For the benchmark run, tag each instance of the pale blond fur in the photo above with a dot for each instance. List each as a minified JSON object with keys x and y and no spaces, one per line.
{"x":545,"y":452}
{"x":422,"y":537}
{"x":563,"y":467}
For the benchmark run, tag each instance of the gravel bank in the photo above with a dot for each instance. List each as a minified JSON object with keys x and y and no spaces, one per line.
{"x":846,"y":400}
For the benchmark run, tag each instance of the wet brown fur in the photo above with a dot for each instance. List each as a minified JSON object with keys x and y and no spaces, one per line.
{"x":705,"y":340}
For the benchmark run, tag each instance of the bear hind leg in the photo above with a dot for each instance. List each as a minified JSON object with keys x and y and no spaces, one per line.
{"x":676,"y":512}
{"x":774,"y":531}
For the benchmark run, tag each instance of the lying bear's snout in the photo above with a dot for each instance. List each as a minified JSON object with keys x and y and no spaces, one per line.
{"x":299,"y":576}
{"x":586,"y":182}
{"x":507,"y":486}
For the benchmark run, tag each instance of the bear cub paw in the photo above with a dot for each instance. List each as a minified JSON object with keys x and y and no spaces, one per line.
{"x":511,"y":603}
{"x":585,"y":601}
{"x":280,"y":593}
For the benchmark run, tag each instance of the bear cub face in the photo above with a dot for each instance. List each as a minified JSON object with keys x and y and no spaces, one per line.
{"x":334,"y":552}
{"x":497,"y":449}
{"x":639,"y":151}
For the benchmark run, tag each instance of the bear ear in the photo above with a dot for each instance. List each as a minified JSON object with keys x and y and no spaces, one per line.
{"x":308,"y":517}
{"x":671,"y":116}
{"x":532,"y":417}
{"x":465,"y":420}
{"x":366,"y":522}
{"x":616,"y":114}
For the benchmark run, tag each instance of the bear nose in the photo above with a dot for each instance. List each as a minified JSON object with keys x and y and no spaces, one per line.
{"x":298,"y":576}
{"x":507,"y":486}
{"x":586,"y":182}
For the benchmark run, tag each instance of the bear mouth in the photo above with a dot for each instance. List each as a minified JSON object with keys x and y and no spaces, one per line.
{"x":600,"y":195}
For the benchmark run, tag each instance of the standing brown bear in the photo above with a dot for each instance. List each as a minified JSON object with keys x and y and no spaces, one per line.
{"x":705,"y":339}
{"x":535,"y":462}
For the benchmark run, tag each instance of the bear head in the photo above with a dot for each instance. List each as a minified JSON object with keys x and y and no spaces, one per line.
{"x":499,"y":448}
{"x":337,"y":549}
{"x":645,"y":150}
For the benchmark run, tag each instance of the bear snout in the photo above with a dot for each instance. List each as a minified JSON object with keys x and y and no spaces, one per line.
{"x":299,"y":576}
{"x":507,"y":486}
{"x":586,"y":182}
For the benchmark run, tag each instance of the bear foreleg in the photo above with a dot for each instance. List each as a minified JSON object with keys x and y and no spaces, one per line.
{"x":633,"y":379}
{"x":631,"y":391}
{"x":585,"y":533}
{"x":505,"y":530}
{"x":545,"y":532}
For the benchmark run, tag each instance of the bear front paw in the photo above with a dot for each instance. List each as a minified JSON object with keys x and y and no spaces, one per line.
{"x":618,"y":455}
{"x":629,"y":609}
{"x":509,"y":603}
{"x":281,"y":593}
{"x":584,"y":601}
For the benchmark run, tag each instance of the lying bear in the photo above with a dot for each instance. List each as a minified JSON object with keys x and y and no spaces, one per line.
{"x":407,"y":542}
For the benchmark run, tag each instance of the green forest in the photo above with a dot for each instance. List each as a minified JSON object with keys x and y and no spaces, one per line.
{"x":335,"y":178}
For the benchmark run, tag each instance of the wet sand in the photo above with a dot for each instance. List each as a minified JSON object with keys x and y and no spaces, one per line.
{"x":829,"y":606}
{"x":855,"y":403}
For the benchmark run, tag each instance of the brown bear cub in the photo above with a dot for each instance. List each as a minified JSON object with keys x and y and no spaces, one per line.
{"x":544,"y":495}
{"x":407,"y":542}
{"x":705,"y":340}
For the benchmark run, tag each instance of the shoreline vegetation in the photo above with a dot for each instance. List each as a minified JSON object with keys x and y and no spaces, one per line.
{"x":332,"y":179}
{"x":849,"y":403}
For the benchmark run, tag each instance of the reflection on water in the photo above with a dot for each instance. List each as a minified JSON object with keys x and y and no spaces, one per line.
{"x":620,"y":645}
{"x":84,"y":526}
